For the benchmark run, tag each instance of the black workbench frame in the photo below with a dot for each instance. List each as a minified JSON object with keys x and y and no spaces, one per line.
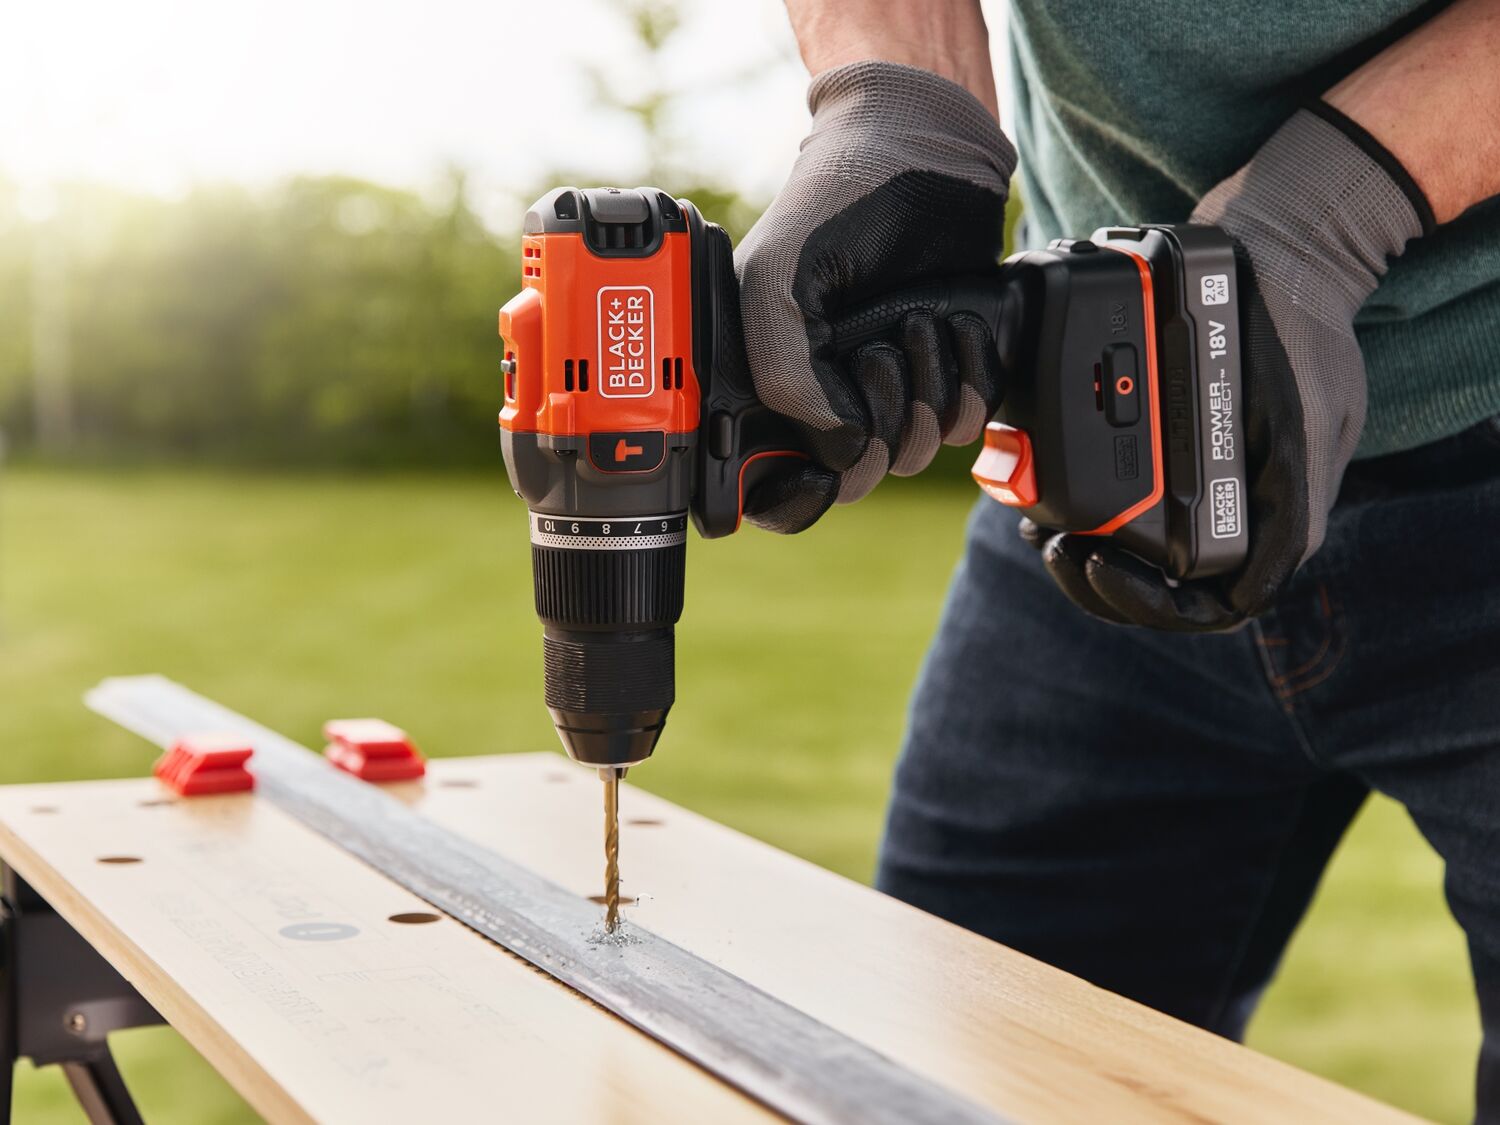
{"x":59,"y":1002}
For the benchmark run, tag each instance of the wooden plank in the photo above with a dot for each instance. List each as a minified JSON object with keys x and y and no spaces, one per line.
{"x":772,"y":1051}
{"x":1031,"y":1041}
{"x":432,"y":1019}
{"x":275,"y":954}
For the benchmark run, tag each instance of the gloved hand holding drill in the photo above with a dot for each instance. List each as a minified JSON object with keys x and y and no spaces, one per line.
{"x":903,"y":181}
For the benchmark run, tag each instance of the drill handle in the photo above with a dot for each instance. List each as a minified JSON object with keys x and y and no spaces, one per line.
{"x":881,"y":318}
{"x":741,"y":441}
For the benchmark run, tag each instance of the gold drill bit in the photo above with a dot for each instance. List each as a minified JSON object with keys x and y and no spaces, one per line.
{"x":611,"y":779}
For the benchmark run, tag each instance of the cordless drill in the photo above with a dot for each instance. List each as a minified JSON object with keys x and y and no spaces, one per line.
{"x":629,"y":410}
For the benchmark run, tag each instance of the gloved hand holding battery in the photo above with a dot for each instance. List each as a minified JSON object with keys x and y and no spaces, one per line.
{"x":902,"y":180}
{"x":1316,"y":215}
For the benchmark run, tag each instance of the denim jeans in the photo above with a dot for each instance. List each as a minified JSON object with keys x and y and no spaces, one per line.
{"x":1153,"y":811}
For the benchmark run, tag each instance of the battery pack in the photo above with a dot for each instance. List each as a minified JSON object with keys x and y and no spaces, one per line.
{"x":1123,"y":395}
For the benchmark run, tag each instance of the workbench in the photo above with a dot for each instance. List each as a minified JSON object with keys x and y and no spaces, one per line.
{"x":323,"y":991}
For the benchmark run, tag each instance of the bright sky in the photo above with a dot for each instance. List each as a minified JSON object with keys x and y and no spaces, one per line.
{"x":158,"y":94}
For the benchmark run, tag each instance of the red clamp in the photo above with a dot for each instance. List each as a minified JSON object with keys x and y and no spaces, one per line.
{"x":372,"y":750}
{"x":199,"y":764}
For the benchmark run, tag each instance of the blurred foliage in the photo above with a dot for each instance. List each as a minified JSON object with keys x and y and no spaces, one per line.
{"x":327,"y":319}
{"x":635,"y":86}
{"x":652,"y":24}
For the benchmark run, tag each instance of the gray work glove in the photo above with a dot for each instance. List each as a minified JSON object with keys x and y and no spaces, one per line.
{"x":1315,"y":215}
{"x":903,"y":179}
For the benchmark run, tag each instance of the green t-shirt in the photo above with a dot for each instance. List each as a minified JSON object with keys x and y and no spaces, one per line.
{"x":1129,"y":112}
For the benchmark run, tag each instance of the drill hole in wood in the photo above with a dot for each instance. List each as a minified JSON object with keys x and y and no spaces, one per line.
{"x":415,"y":918}
{"x":155,"y":802}
{"x":644,"y":822}
{"x":44,"y":810}
{"x":625,"y":900}
{"x":557,"y":776}
{"x":119,"y":859}
{"x":458,"y":783}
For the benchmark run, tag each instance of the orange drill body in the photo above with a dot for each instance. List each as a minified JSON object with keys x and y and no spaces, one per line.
{"x":600,"y":343}
{"x":627,"y":411}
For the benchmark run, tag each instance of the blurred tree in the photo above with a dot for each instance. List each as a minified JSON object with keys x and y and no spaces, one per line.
{"x":51,"y":367}
{"x":327,"y":320}
{"x":652,"y":23}
{"x":15,"y":298}
{"x":639,"y":91}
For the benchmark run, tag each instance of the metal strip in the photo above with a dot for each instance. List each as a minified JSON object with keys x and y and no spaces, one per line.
{"x":771,"y":1051}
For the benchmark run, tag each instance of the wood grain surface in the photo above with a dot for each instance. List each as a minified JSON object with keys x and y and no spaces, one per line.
{"x":277,"y":956}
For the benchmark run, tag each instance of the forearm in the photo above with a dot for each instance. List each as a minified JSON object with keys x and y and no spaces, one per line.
{"x":1433,"y":100}
{"x":947,"y":37}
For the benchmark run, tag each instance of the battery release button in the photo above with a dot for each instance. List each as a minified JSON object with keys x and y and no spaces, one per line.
{"x":1122,"y":385}
{"x":1005,"y":468}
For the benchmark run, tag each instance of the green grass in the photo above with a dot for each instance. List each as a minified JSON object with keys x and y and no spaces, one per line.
{"x":298,"y":599}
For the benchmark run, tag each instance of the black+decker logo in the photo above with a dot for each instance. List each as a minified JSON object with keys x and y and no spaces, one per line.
{"x":627,"y":341}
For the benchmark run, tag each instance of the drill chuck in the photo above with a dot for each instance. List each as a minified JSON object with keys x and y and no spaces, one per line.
{"x":609,"y":693}
{"x":608,"y":593}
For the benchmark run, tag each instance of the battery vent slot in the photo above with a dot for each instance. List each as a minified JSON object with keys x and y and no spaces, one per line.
{"x":581,"y":368}
{"x":671,"y":373}
{"x":619,"y":236}
{"x":531,"y":260}
{"x":618,"y":222}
